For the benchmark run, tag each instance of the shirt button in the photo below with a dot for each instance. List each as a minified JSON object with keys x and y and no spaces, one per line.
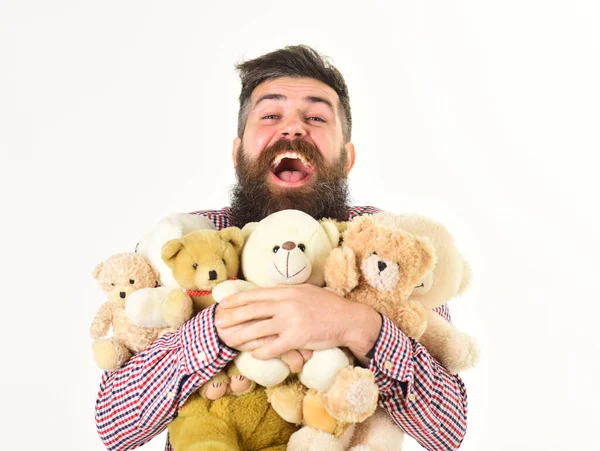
{"x":411,"y":397}
{"x":170,"y":395}
{"x":388,"y":365}
{"x":201,"y":356}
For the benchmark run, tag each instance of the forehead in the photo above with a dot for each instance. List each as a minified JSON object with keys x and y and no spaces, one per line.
{"x":295,"y":89}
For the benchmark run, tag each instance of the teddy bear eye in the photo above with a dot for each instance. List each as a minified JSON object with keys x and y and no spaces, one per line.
{"x":113,"y":284}
{"x":131,"y":281}
{"x":195,"y":266}
{"x":224,"y":262}
{"x":275,"y":249}
{"x":373,"y":253}
{"x":302,"y":247}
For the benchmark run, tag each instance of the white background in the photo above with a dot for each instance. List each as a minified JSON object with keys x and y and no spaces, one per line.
{"x":481,"y":114}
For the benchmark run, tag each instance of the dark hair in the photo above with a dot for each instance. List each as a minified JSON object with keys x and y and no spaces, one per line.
{"x":292,"y":61}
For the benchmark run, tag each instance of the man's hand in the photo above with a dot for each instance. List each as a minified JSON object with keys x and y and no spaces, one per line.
{"x":270,"y":322}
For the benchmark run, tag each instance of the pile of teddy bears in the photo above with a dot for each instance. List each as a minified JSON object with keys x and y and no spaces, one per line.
{"x":401,"y":265}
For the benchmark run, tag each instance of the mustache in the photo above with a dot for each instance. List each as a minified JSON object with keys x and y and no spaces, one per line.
{"x":326,"y":195}
{"x":298,"y":145}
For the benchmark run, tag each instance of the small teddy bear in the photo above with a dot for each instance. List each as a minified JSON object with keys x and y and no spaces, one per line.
{"x":120,"y":276}
{"x":380,"y":266}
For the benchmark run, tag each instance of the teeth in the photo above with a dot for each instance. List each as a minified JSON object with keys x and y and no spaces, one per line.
{"x":292,"y":155}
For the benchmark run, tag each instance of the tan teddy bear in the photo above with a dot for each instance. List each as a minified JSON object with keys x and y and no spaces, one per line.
{"x":119,"y":276}
{"x":455,"y":350}
{"x":380,"y":266}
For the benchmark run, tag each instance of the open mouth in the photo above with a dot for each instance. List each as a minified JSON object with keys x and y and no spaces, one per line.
{"x":291,"y":168}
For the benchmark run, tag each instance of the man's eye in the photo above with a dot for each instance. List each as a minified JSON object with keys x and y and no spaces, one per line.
{"x":271,"y":116}
{"x":316,"y":119}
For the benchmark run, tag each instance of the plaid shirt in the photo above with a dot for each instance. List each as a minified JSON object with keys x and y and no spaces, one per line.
{"x":138,"y":401}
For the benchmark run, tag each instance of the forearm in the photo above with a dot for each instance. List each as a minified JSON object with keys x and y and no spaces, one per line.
{"x":417,"y":392}
{"x":137,"y":402}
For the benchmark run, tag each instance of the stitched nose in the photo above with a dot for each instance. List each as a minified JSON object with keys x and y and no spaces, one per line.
{"x":122,"y":294}
{"x":288,"y":245}
{"x":212,"y":275}
{"x":381,"y":266}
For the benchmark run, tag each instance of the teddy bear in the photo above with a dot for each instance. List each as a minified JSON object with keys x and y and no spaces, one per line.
{"x":119,"y":276}
{"x":378,"y":266}
{"x":290,"y":247}
{"x":455,"y":350}
{"x":150,"y":307}
{"x":230,"y":411}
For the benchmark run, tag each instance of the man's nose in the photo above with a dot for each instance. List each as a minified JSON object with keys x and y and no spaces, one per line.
{"x":292,"y":128}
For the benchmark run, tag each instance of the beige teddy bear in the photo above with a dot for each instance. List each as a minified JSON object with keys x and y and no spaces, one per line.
{"x":119,"y":276}
{"x":455,"y":350}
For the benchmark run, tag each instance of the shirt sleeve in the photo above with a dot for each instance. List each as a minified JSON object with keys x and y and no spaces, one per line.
{"x":426,"y":401}
{"x":138,"y":401}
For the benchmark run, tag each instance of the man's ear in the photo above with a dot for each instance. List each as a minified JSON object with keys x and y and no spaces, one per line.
{"x":351,"y":156}
{"x":236,"y":145}
{"x":170,"y":250}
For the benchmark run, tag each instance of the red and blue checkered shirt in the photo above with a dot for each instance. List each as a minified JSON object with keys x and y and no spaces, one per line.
{"x":138,"y":401}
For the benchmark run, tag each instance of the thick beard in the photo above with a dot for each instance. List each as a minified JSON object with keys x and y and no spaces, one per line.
{"x":325,"y":195}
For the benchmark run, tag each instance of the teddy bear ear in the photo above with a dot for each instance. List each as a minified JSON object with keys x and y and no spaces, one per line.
{"x":234,"y":236}
{"x":155,"y":271}
{"x":97,"y":270}
{"x":170,"y":250}
{"x":428,"y":255}
{"x":248,"y":229}
{"x":466,"y":277}
{"x":332,"y":230}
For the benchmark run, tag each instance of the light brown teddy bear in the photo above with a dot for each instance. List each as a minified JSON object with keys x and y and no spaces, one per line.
{"x":455,"y":350}
{"x":119,"y":276}
{"x":380,"y":266}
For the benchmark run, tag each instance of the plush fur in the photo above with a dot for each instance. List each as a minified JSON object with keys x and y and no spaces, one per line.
{"x":380,"y":266}
{"x":119,"y":277}
{"x":454,"y":349}
{"x":290,"y":247}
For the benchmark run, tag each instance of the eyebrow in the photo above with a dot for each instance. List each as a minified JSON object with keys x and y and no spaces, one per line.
{"x":310,"y":99}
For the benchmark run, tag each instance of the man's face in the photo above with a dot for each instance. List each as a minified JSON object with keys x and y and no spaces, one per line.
{"x":292,"y":153}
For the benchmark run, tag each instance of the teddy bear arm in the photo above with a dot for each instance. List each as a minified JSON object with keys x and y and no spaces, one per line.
{"x":341,"y":271}
{"x":453,"y":349}
{"x":411,"y":318}
{"x":102,"y":321}
{"x":229,"y":287}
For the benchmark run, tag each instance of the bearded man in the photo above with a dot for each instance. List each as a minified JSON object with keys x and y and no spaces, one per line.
{"x":293,"y":150}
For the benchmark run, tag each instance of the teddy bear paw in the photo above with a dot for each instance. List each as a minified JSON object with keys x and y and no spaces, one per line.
{"x":110,"y":355}
{"x":464,"y":354}
{"x":353,"y":396}
{"x":177,"y":308}
{"x":411,"y":319}
{"x":309,"y":439}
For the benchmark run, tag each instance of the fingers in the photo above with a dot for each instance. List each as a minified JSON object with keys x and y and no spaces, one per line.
{"x":249,"y":332}
{"x":294,"y":360}
{"x":234,"y":316}
{"x":255,"y":344}
{"x":306,"y":354}
{"x":277,"y":347}
{"x":253,"y":296}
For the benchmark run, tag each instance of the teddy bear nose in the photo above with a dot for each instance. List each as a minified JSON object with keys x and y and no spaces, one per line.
{"x":381,"y":266}
{"x":122,"y":294}
{"x":288,"y":245}
{"x":212,"y":275}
